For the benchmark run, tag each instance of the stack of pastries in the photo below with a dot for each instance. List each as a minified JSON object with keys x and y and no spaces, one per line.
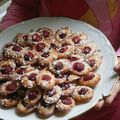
{"x":45,"y":70}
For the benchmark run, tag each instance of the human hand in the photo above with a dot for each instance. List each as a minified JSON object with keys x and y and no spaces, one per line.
{"x":108,"y":100}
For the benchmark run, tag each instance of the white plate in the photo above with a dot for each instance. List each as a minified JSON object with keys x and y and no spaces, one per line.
{"x":105,"y":70}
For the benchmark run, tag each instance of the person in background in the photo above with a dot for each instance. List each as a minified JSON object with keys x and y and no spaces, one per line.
{"x":103,"y":14}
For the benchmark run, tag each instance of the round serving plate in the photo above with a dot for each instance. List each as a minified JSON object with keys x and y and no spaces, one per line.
{"x":106,"y":72}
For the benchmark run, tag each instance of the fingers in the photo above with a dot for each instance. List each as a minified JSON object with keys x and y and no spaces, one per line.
{"x":99,"y":105}
{"x":116,"y":90}
{"x":117,"y":68}
{"x":108,"y":100}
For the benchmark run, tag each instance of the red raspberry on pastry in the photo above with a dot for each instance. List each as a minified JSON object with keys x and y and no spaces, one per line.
{"x":34,"y":38}
{"x":90,"y":79}
{"x":45,"y":80}
{"x":46,"y":33}
{"x":9,"y":87}
{"x":30,"y":78}
{"x":79,"y":68}
{"x":32,"y":96}
{"x":52,"y":95}
{"x":82,"y":94}
{"x":87,"y":49}
{"x":11,"y":50}
{"x":22,"y":39}
{"x":20,"y":71}
{"x":65,"y":104}
{"x":65,"y":50}
{"x":59,"y":66}
{"x":7,"y":67}
{"x":62,"y":34}
{"x":67,"y":88}
{"x":95,"y":61}
{"x":47,"y":56}
{"x":41,"y":47}
{"x":76,"y":38}
{"x":27,"y":57}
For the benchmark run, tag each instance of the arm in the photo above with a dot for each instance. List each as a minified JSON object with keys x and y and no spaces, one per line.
{"x":20,"y":10}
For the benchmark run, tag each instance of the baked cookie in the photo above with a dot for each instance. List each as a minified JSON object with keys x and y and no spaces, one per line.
{"x":9,"y":87}
{"x":11,"y":50}
{"x":82,"y":93}
{"x":60,"y":78}
{"x":22,"y":109}
{"x":67,"y":88}
{"x":27,"y":57}
{"x":79,"y":68}
{"x":7,"y":67}
{"x":48,"y":56}
{"x":65,"y":50}
{"x":95,"y":61}
{"x":9,"y":101}
{"x":59,"y":66}
{"x":76,"y":57}
{"x":62,"y":34}
{"x":45,"y":80}
{"x":90,"y":79}
{"x":30,"y":78}
{"x":65,"y":104}
{"x":52,"y":96}
{"x":41,"y":47}
{"x":19,"y":72}
{"x":39,"y":65}
{"x":46,"y":33}
{"x":87,"y":49}
{"x":45,"y":109}
{"x":72,"y":78}
{"x":22,"y":39}
{"x":32,"y":97}
{"x":76,"y":38}
{"x":34,"y":38}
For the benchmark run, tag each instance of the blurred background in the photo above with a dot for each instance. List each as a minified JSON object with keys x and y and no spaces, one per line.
{"x":3,"y":7}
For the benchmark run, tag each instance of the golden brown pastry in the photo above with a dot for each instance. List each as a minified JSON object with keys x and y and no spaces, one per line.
{"x":52,"y":96}
{"x":90,"y":79}
{"x":45,"y":80}
{"x":62,"y":34}
{"x":82,"y":93}
{"x":30,"y":78}
{"x":65,"y":104}
{"x":45,"y":109}
{"x":7,"y":67}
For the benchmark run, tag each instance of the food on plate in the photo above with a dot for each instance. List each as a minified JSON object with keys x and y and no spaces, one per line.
{"x":82,"y":93}
{"x":48,"y":70}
